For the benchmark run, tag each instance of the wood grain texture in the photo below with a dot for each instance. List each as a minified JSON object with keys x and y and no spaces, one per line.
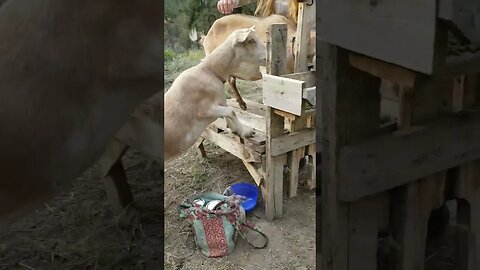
{"x":383,"y":163}
{"x":388,"y":30}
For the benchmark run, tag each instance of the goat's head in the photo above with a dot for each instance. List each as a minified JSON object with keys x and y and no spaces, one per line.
{"x":248,"y":46}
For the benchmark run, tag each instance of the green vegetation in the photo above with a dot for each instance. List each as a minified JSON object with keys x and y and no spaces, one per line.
{"x":183,"y":15}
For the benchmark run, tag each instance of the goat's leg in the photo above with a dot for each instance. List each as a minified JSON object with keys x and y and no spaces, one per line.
{"x":233,"y":83}
{"x":233,"y":123}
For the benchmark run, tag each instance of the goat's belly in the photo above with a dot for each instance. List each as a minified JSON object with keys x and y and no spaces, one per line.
{"x":193,"y":134}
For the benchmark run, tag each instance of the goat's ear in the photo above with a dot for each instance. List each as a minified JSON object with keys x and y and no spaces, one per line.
{"x":242,"y":36}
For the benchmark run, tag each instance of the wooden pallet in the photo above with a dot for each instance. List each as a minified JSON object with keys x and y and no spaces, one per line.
{"x":391,"y":180}
{"x":285,"y":128}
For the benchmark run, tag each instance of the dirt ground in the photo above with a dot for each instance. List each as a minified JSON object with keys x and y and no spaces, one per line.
{"x":291,"y":239}
{"x":79,"y":230}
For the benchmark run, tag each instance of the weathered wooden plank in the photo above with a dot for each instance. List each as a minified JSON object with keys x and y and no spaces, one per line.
{"x":248,"y":118}
{"x":254,"y":121}
{"x":391,"y":31}
{"x":363,"y":218}
{"x":274,"y":169}
{"x":293,"y":157}
{"x":116,"y":186}
{"x":309,"y":77}
{"x":277,"y":49}
{"x":334,"y":219}
{"x":410,"y":219}
{"x":252,"y":106}
{"x":310,"y":94}
{"x":348,"y":89}
{"x":312,"y":166}
{"x":293,"y":161}
{"x":237,"y":149}
{"x":467,"y":185}
{"x":467,"y":64}
{"x":114,"y":150}
{"x":382,"y":163}
{"x":289,"y":116}
{"x":291,"y":141}
{"x":383,"y":69}
{"x":259,"y":138}
{"x":417,"y":199}
{"x":276,"y":65}
{"x":254,"y":171}
{"x":283,"y":93}
{"x":304,"y":27}
{"x":200,"y":147}
{"x":458,"y":95}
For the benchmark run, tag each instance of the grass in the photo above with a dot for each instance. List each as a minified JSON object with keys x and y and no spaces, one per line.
{"x":175,"y":63}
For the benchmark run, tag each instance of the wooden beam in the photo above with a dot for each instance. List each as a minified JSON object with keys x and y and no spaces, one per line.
{"x":310,"y":94}
{"x":253,"y":107}
{"x":114,"y":150}
{"x":468,"y":64}
{"x":391,"y":31}
{"x":200,"y":147}
{"x":458,"y":95}
{"x":274,"y":169}
{"x":384,"y":70}
{"x":276,"y":65}
{"x":349,"y":90}
{"x":277,"y":49}
{"x":302,"y":39}
{"x":415,"y":201}
{"x":255,"y":172}
{"x":116,"y":186}
{"x":237,"y":149}
{"x":292,"y":141}
{"x":309,"y":77}
{"x":283,"y":93}
{"x":383,"y":163}
{"x":294,"y":156}
{"x":259,"y":138}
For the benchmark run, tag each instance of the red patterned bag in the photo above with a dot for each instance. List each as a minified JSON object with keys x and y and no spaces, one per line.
{"x":216,"y":229}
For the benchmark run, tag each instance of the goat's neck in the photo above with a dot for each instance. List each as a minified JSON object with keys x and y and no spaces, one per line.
{"x":222,"y":61}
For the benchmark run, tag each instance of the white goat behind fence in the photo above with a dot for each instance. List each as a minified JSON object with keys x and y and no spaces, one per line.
{"x":222,"y":28}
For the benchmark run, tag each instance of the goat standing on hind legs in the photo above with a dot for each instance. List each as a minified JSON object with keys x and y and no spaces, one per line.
{"x":197,"y":97}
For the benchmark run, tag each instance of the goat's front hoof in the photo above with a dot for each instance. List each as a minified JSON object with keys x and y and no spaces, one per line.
{"x":243,"y":105}
{"x":247,"y":133}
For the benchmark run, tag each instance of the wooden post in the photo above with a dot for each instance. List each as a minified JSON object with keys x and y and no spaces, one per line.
{"x":116,"y":186}
{"x":312,"y":159}
{"x":294,"y":158}
{"x":466,"y":189}
{"x":302,"y":43}
{"x":346,"y":228}
{"x":415,"y":201}
{"x":113,"y":175}
{"x":306,"y":18}
{"x":276,"y":65}
{"x":200,"y":147}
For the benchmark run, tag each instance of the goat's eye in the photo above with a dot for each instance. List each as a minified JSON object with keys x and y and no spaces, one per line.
{"x":251,"y":41}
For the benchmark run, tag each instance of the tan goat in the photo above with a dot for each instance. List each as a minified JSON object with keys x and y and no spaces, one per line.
{"x":197,"y":98}
{"x":222,"y":27}
{"x":71,"y":72}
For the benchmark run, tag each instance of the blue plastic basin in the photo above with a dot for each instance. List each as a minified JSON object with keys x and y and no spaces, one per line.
{"x":248,"y":190}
